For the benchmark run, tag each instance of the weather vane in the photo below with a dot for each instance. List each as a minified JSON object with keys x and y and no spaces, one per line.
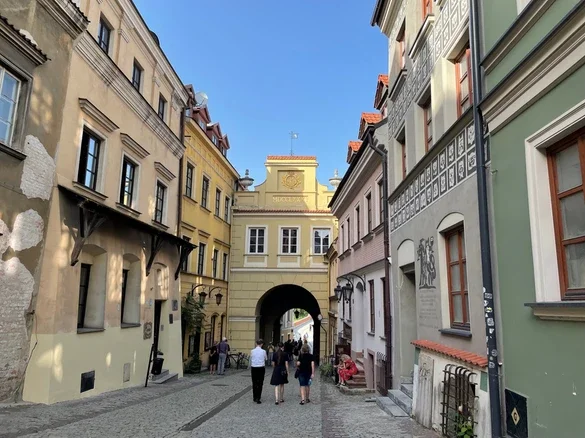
{"x":293,"y":136}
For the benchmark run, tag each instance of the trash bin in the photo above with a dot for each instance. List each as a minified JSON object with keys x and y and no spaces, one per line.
{"x":157,"y":365}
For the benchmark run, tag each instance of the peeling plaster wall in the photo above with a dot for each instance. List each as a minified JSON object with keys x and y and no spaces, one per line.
{"x":26,"y":184}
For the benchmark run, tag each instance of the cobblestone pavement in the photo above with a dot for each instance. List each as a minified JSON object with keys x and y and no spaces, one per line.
{"x":200,"y":406}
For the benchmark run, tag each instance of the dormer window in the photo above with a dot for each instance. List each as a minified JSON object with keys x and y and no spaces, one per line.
{"x":202,"y":125}
{"x":214,"y":139}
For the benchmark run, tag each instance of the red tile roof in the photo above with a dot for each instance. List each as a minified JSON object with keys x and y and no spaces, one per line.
{"x":462,"y":355}
{"x":292,"y":157}
{"x":371,"y":117}
{"x":383,"y":79}
{"x":355,"y":145}
{"x":267,"y":210}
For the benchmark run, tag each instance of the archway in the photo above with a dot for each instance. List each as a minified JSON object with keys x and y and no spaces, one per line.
{"x":275,"y":302}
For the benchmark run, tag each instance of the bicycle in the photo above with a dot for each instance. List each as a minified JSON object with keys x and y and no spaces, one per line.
{"x":237,"y":360}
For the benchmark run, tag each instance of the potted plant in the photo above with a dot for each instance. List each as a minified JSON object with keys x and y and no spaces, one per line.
{"x":194,"y":365}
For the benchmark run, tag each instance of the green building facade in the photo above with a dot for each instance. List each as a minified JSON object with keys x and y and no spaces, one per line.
{"x":534,"y":107}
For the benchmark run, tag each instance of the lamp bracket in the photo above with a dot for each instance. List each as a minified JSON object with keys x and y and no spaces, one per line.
{"x":354,"y":282}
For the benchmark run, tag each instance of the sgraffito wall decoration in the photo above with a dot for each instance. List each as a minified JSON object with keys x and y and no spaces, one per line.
{"x":426,"y":256}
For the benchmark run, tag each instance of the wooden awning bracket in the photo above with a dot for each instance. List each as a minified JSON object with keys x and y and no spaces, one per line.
{"x":155,"y":245}
{"x":89,"y":221}
{"x":184,"y":251}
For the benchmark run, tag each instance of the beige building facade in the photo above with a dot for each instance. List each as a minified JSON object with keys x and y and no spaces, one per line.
{"x":109,"y":289}
{"x":281,"y":232}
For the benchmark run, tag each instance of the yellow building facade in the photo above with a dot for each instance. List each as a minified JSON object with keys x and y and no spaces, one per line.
{"x":208,"y":183}
{"x":281,"y":232}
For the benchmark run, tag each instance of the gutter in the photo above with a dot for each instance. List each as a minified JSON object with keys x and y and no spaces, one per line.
{"x":377,"y":12}
{"x":484,"y":231}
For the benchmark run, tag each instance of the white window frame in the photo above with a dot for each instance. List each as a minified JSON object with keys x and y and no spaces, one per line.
{"x":204,"y":270}
{"x":225,"y":266}
{"x":248,"y":230}
{"x":215,"y":252}
{"x":214,"y":139}
{"x":102,"y":158}
{"x":281,"y":228}
{"x":316,"y":227}
{"x":165,"y":202}
{"x":136,"y":186}
{"x":15,"y":115}
{"x":544,"y":253}
{"x":205,"y":175}
{"x":379,"y":187}
{"x":193,"y":182}
{"x":218,"y":196}
{"x":227,"y":204}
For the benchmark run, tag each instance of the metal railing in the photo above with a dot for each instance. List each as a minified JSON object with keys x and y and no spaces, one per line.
{"x":458,"y":412}
{"x":381,"y":373}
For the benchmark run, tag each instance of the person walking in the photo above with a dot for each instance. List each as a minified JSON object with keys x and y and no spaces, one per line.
{"x":223,"y":348}
{"x":280,"y":373}
{"x":306,"y":368}
{"x":213,"y":358}
{"x":257,"y":366}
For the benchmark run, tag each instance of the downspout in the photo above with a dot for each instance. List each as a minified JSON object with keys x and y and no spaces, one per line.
{"x":180,"y":203}
{"x":484,"y":231}
{"x":388,"y":326}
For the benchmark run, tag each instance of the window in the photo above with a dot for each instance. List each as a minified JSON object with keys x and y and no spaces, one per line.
{"x":137,"y":76}
{"x":381,"y":198}
{"x":185,"y":264}
{"x":9,"y":87}
{"x":457,"y":279}
{"x":214,"y":139}
{"x":224,"y":267}
{"x":204,"y":191}
{"x":289,"y":240}
{"x":385,"y":300}
{"x":162,"y":106}
{"x":89,"y":160}
{"x":123,"y":301}
{"x":217,"y":202}
{"x":127,"y":183}
{"x":401,"y":46}
{"x":372,"y":307}
{"x":189,"y":180}
{"x":321,"y":238}
{"x":358,"y":223}
{"x":464,"y":86}
{"x":348,"y":232}
{"x":428,"y":126}
{"x":202,"y":125}
{"x":342,"y":240}
{"x":201,"y":259}
{"x":214,"y":263}
{"x":221,"y":326}
{"x":161,"y":192}
{"x":226,"y":210}
{"x":369,"y":211}
{"x":83,"y":291}
{"x":403,"y":153}
{"x":256,"y":240}
{"x":104,"y":35}
{"x":427,"y":8}
{"x":567,"y":171}
{"x":213,"y":324}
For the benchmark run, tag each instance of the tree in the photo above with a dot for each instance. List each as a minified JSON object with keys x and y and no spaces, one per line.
{"x":192,"y":315}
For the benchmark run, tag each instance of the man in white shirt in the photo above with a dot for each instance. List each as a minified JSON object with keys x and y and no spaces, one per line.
{"x":257,"y":366}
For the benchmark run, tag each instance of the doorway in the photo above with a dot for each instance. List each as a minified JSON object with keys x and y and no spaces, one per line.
{"x":156,"y":331}
{"x":408,"y":321}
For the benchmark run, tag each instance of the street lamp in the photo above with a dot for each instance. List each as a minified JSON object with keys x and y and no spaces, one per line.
{"x":202,"y":296}
{"x":297,"y":313}
{"x":347,"y":291}
{"x":218,"y":295}
{"x":338,"y":293}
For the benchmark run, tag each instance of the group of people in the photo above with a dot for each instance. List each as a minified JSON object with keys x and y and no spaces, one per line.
{"x":305,"y":371}
{"x":218,"y":354}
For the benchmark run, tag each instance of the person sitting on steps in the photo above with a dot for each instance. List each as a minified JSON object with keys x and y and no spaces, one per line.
{"x":346,"y":369}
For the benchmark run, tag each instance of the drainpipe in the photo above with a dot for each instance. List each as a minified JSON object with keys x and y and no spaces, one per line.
{"x":180,"y":203}
{"x":388,"y":326}
{"x":484,"y":231}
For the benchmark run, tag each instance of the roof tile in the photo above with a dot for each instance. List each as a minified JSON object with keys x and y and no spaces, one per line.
{"x":462,"y":355}
{"x":383,"y":79}
{"x":355,"y":145}
{"x":371,"y":117}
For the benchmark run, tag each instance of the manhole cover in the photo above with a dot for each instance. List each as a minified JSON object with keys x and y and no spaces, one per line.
{"x":219,"y":384}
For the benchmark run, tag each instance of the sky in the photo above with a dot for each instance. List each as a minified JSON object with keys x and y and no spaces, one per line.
{"x":271,"y":67}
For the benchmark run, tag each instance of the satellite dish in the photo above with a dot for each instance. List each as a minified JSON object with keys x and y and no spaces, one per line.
{"x":201,"y":98}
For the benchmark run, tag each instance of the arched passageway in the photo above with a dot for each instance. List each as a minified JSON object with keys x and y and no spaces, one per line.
{"x":276,"y":301}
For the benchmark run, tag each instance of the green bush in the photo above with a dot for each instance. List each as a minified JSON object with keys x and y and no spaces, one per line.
{"x":326,"y":369}
{"x":194,"y":365}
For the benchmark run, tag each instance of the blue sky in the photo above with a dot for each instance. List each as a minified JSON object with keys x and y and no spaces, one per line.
{"x":270,"y":67}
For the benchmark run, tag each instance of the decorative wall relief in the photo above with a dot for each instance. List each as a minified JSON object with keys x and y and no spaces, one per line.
{"x":291,"y":180}
{"x":147,"y":330}
{"x":426,"y":255}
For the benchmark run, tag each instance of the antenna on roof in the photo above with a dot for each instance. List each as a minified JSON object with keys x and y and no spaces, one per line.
{"x":200,"y":99}
{"x":293,"y":136}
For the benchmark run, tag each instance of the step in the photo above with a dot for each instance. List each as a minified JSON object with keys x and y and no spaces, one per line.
{"x":354,"y":384}
{"x":390,"y":407}
{"x":406,"y":380}
{"x":407,"y":388}
{"x":401,"y":399}
{"x":163,"y":373}
{"x":348,"y":390}
{"x":169,"y":377}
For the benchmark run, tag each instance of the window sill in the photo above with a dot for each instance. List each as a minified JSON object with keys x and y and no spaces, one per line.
{"x":90,"y":191}
{"x":379,"y":228}
{"x":190,"y":199}
{"x":81,"y":331}
{"x":456,"y":332}
{"x":159,"y":225}
{"x":204,"y":208}
{"x":344,"y":254}
{"x":289,"y":255}
{"x":356,"y":245}
{"x":371,"y":334}
{"x":12,"y":152}
{"x":559,"y":310}
{"x":383,"y":338}
{"x":368,"y":237}
{"x":126,"y":325}
{"x":128,"y":209}
{"x":263,"y":254}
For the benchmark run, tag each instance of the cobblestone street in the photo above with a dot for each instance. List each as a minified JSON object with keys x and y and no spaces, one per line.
{"x":200,"y":406}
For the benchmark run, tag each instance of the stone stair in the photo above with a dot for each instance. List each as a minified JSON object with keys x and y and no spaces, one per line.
{"x":402,"y":397}
{"x":164,"y":377}
{"x":357,"y":385}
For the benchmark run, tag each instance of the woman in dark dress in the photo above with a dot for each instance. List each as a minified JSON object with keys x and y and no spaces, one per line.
{"x":213,"y":357}
{"x":279,"y":373}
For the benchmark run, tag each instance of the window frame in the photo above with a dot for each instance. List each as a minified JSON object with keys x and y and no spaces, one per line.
{"x":134,"y":186}
{"x":10,"y":140}
{"x":224,"y":266}
{"x":459,"y":231}
{"x":104,"y":24}
{"x":369,"y":211}
{"x":213,"y":324}
{"x":162,"y":107}
{"x":358,"y":223}
{"x":201,"y":258}
{"x":342,"y":240}
{"x":427,"y":123}
{"x":163,"y":201}
{"x":403,"y":157}
{"x":83,"y":158}
{"x":137,"y":75}
{"x":323,"y":248}
{"x":465,"y":53}
{"x":205,"y":183}
{"x":82,"y":304}
{"x":214,"y":139}
{"x":186,"y":262}
{"x":218,"y":196}
{"x":123,"y":297}
{"x":249,"y":231}
{"x":227,"y":209}
{"x":577,"y":139}
{"x":427,"y":7}
{"x":380,"y":184}
{"x":372,"y":306}
{"x":290,"y":245}
{"x":349,"y":241}
{"x":189,"y":175}
{"x":214,"y":262}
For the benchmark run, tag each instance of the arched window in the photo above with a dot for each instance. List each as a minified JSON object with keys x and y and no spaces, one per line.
{"x":92,"y":288}
{"x":131,"y":291}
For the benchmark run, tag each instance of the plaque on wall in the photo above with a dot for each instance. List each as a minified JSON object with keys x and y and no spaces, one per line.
{"x":175,"y":305}
{"x":147,"y":331}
